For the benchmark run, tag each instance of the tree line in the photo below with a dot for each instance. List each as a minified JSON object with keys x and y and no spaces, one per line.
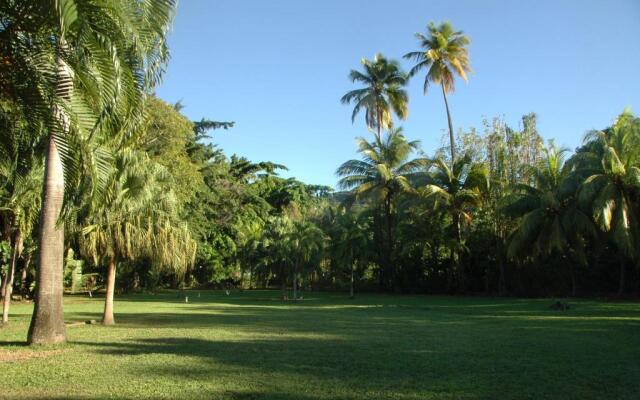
{"x":104,"y":187}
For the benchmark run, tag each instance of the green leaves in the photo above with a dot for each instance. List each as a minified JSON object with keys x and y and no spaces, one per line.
{"x":383,"y":93}
{"x":67,"y":14}
{"x":443,"y":53}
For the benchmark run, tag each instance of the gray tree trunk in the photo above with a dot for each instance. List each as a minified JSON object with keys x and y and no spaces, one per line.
{"x":107,"y":317}
{"x":15,"y":254}
{"x":47,"y":321}
{"x":451,"y":138}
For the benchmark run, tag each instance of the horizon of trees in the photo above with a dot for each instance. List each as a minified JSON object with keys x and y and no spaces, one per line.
{"x":131,"y":195}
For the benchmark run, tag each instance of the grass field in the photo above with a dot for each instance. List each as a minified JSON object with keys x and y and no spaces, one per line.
{"x":252,"y":345}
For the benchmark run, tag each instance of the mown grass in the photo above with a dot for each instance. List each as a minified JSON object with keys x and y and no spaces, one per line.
{"x":251,"y":345}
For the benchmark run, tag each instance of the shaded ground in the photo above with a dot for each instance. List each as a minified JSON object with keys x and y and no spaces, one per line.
{"x":251,"y":345}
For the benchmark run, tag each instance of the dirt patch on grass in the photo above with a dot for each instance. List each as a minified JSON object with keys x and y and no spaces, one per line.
{"x":7,"y":356}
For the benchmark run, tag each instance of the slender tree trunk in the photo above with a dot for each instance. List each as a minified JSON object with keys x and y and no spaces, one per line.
{"x":4,"y":277}
{"x":47,"y":322}
{"x":388,"y":258}
{"x":295,"y":283}
{"x":351,"y":283}
{"x":23,"y":278}
{"x":457,"y":265}
{"x":15,"y":254}
{"x":283,"y":282}
{"x":451,"y":138}
{"x":379,"y":126}
{"x":107,"y":317}
{"x":622,"y":277}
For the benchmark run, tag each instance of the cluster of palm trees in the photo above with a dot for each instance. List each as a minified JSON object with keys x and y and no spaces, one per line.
{"x":555,"y":206}
{"x":74,"y":79}
{"x":592,"y":197}
{"x":443,"y":55}
{"x":385,"y":171}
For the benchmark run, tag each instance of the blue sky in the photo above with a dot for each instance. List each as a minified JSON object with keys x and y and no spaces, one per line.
{"x":278,"y":68}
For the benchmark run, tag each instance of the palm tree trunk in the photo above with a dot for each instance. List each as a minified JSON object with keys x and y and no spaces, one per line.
{"x":3,"y":277}
{"x":456,"y":264}
{"x":47,"y":321}
{"x":107,"y":317}
{"x":283,"y":281}
{"x":379,"y":127}
{"x":451,"y":138}
{"x":15,"y":254}
{"x":23,"y":275}
{"x":295,"y":284}
{"x":388,"y":257}
{"x":351,"y":283}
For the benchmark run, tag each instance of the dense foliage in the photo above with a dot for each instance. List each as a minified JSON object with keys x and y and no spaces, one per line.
{"x":148,"y":201}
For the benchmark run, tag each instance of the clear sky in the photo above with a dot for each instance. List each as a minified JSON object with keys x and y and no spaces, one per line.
{"x":279,"y":67}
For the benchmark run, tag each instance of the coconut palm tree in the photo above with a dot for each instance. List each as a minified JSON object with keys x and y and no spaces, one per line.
{"x":135,"y":216}
{"x":455,"y":192}
{"x":81,"y":68}
{"x":379,"y":177}
{"x":611,"y":161}
{"x":550,"y":219}
{"x":443,"y":54}
{"x":382,"y":94}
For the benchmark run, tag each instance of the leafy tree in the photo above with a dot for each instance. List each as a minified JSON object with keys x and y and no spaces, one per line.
{"x":551,"y":221}
{"x":351,"y":244}
{"x":381,"y":95}
{"x":304,"y":244}
{"x":21,"y":177}
{"x":136,"y":217}
{"x":443,"y":54}
{"x":610,"y":160}
{"x":379,"y":177}
{"x":81,"y":69}
{"x":455,"y":192}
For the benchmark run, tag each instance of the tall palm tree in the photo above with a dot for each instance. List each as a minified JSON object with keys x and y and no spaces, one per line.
{"x":381,"y":95}
{"x":379,"y":177}
{"x":455,"y":192}
{"x":443,"y":54}
{"x":82,"y":69}
{"x":134,"y":217}
{"x":550,"y":219}
{"x":611,"y":161}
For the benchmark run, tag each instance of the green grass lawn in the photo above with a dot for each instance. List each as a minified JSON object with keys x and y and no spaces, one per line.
{"x":251,"y":345}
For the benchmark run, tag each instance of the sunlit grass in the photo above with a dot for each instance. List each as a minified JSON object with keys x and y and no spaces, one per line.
{"x":251,"y":345}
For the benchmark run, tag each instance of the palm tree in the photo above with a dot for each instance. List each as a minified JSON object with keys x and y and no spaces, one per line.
{"x":21,"y":174}
{"x":381,"y":95}
{"x":611,"y":161}
{"x":379,"y":177}
{"x":550,"y":219}
{"x":304,"y":244}
{"x":455,"y":192}
{"x":443,"y":54}
{"x":82,"y":69}
{"x":134,"y":217}
{"x":351,"y":243}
